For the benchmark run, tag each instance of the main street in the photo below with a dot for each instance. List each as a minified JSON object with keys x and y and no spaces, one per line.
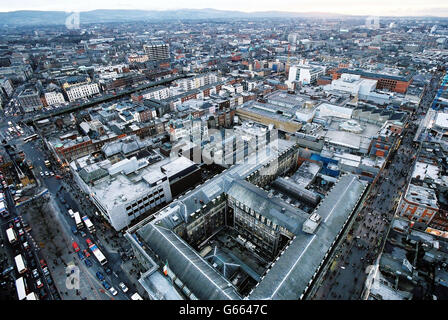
{"x":65,"y":199}
{"x":346,"y":274}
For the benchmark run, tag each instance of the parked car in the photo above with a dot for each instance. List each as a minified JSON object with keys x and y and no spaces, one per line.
{"x":100,"y":276}
{"x":35,"y":273}
{"x":39,"y":283}
{"x":27,"y":227}
{"x":106,"y":285}
{"x":123,"y":287}
{"x":42,"y":293}
{"x":86,"y":253}
{"x":32,"y":263}
{"x":113,"y":291}
{"x":45,"y":270}
{"x":88,"y":263}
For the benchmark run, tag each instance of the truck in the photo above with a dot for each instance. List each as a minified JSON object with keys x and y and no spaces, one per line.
{"x":11,"y":234}
{"x":3,"y":212}
{"x":98,"y":254}
{"x":78,"y":220}
{"x":88,"y":223}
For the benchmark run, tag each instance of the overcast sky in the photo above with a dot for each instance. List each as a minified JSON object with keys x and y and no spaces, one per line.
{"x":376,"y":7}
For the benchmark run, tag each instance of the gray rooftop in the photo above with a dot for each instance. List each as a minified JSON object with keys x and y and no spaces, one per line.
{"x":290,"y":276}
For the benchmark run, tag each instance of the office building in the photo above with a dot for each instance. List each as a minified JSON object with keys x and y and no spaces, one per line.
{"x":157,"y":50}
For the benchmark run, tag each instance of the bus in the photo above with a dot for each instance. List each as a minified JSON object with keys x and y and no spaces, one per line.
{"x":11,"y":234}
{"x":21,"y":288}
{"x":136,"y":296}
{"x":78,"y":220}
{"x":20,"y":264}
{"x":98,"y":254}
{"x":30,"y":138}
{"x":71,"y":213}
{"x":88,"y":223}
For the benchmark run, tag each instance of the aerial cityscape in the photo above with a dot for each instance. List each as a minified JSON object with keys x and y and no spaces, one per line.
{"x":230,"y":153}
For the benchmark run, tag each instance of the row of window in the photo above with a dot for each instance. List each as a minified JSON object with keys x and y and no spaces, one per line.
{"x":252,"y":213}
{"x":145,"y":202}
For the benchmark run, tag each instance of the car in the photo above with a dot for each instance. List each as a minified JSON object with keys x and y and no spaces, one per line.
{"x":123,"y":287}
{"x":27,"y":227}
{"x":49,"y":280}
{"x":32,"y":263}
{"x":45,"y":270}
{"x":35,"y":273}
{"x":39,"y":283}
{"x":100,"y":276}
{"x":41,"y":174}
{"x":25,"y":245}
{"x":75,"y":246}
{"x":47,"y":173}
{"x":83,"y":234}
{"x":21,"y":232}
{"x":89,"y":242}
{"x":88,"y":263}
{"x":42,"y":293}
{"x":80,"y":255}
{"x":113,"y":291}
{"x":51,"y":173}
{"x":86,"y":253}
{"x":108,"y":271}
{"x":106,"y":285}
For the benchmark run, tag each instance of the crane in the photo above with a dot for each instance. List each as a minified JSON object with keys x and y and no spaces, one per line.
{"x":289,"y":56}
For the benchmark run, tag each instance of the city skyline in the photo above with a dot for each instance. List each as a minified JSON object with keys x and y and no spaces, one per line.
{"x":347,"y":7}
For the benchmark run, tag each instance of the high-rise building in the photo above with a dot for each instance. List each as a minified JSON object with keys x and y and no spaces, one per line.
{"x":157,"y":50}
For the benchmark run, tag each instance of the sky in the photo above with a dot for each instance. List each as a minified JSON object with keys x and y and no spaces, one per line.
{"x":355,"y":7}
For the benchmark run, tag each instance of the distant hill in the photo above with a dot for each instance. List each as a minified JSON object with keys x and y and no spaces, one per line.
{"x":25,"y":17}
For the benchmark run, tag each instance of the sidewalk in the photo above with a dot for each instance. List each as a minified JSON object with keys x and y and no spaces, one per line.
{"x":133,"y":269}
